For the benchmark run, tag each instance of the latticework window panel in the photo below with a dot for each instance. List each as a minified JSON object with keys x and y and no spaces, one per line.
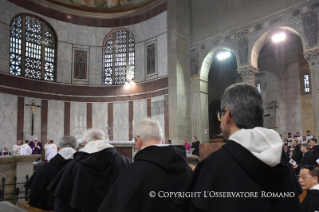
{"x":119,"y":57}
{"x":32,"y":48}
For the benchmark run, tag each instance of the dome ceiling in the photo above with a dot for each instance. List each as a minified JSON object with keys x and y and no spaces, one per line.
{"x":102,"y":5}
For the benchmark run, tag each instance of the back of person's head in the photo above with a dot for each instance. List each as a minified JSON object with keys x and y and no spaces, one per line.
{"x":245,"y":105}
{"x":193,"y":160}
{"x":51,"y":141}
{"x":68,"y":141}
{"x":26,"y":141}
{"x":148,"y":130}
{"x":93,"y":135}
{"x":169,"y":141}
{"x":295,"y":141}
{"x":306,"y":146}
{"x":314,"y":140}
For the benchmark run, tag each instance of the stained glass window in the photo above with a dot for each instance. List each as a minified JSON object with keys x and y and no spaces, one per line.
{"x":119,"y":57}
{"x":306,"y":83}
{"x":32,"y":48}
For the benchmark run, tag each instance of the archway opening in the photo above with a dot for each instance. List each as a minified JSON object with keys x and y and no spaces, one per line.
{"x":222,"y":73}
{"x":282,"y":80}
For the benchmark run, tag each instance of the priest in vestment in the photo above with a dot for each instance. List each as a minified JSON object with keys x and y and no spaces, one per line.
{"x":25,"y":149}
{"x":250,"y":172}
{"x":16,"y":148}
{"x":40,"y":197}
{"x":36,"y":146}
{"x":84,"y":182}
{"x":157,"y":168}
{"x":5,"y":151}
{"x":51,"y":150}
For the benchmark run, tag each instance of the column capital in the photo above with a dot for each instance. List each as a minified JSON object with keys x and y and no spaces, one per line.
{"x":312,"y":58}
{"x":248,"y":74}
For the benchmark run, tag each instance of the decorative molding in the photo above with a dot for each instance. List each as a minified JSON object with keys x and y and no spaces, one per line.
{"x":312,"y":58}
{"x":92,"y":19}
{"x":248,"y":74}
{"x":237,"y":39}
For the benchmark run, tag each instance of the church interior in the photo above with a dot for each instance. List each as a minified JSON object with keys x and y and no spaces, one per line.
{"x":70,"y":65}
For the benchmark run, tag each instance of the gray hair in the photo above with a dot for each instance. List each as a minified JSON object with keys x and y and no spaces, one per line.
{"x":245,"y":105}
{"x":68,"y":141}
{"x":92,"y":135}
{"x":148,"y":129}
{"x":306,"y":146}
{"x":295,"y":140}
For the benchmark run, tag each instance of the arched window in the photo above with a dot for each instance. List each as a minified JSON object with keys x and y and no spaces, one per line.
{"x":118,"y":57}
{"x":32,"y":48}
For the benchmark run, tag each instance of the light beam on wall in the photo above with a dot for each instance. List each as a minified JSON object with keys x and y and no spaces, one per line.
{"x":279,"y":37}
{"x":223,"y":55}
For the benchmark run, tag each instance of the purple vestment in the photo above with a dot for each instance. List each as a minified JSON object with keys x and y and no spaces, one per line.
{"x":36,"y":150}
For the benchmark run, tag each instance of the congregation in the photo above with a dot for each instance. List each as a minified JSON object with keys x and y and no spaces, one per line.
{"x":165,"y":177}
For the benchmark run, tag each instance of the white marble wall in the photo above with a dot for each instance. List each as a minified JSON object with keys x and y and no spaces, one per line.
{"x":28,"y":119}
{"x":8,"y":120}
{"x":69,"y":35}
{"x":158,"y":111}
{"x":139,"y":110}
{"x":64,"y":72}
{"x":78,"y":115}
{"x":95,"y":66}
{"x":120,"y":121}
{"x":162,"y":59}
{"x":55,"y":120}
{"x":100,"y":116}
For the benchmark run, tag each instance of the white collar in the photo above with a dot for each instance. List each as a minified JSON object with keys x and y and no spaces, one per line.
{"x":95,"y":146}
{"x":159,"y":145}
{"x":67,"y":153}
{"x":316,"y":187}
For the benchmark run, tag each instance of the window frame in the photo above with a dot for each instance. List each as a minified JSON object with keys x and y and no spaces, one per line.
{"x":113,"y":57}
{"x":43,"y":46}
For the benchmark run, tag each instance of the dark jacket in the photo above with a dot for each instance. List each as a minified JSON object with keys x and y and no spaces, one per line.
{"x":195,"y":145}
{"x":311,"y":201}
{"x":308,"y":159}
{"x":155,"y":169}
{"x":84,"y":182}
{"x":297,"y":154}
{"x":41,"y":179}
{"x":235,"y":169}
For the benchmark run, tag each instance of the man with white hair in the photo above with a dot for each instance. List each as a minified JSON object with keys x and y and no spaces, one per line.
{"x":84,"y":182}
{"x":41,"y":179}
{"x":250,"y":172}
{"x":157,"y":168}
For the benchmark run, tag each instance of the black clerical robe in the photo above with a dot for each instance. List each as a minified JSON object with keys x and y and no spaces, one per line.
{"x":155,"y":170}
{"x":235,"y":169}
{"x":311,"y":201}
{"x":41,"y":179}
{"x":195,"y":145}
{"x":297,"y":154}
{"x":308,"y":159}
{"x":315,"y":152}
{"x":83,"y":183}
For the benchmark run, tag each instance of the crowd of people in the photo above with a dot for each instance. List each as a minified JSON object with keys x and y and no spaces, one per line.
{"x":251,"y":172}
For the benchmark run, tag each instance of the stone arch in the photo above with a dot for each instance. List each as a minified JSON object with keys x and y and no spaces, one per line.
{"x":209,"y":58}
{"x":260,"y":42}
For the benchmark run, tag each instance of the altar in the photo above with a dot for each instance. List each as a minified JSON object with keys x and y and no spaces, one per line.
{"x":14,"y":172}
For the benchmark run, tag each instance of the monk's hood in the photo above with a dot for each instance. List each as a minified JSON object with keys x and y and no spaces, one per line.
{"x":265,"y":144}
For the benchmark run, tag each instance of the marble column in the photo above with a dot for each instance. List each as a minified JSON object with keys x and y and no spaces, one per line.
{"x":312,"y":58}
{"x":247,"y":74}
